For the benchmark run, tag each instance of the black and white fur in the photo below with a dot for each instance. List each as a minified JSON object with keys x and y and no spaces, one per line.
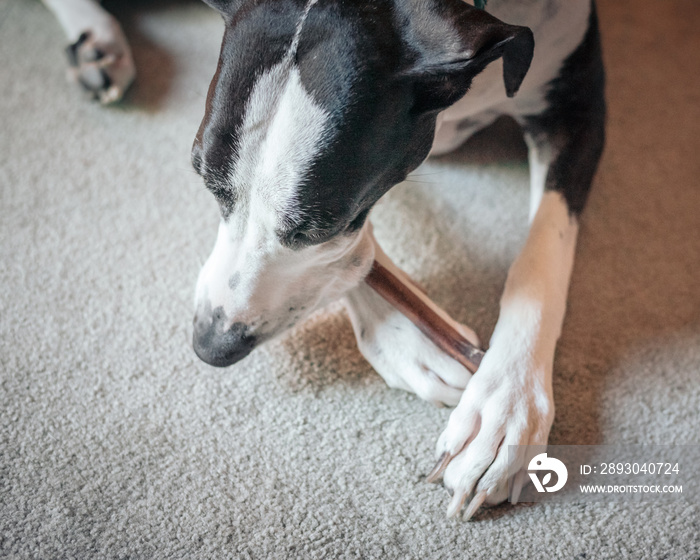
{"x":317,"y":108}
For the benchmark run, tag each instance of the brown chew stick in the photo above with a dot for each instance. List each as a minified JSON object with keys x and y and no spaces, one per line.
{"x":430,"y":319}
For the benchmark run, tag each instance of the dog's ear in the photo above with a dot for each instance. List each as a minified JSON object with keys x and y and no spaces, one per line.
{"x":473,"y":38}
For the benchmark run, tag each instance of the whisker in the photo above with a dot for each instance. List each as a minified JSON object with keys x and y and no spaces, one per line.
{"x":422,"y":172}
{"x":415,"y":182}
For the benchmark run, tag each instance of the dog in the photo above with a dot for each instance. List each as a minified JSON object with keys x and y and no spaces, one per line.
{"x":317,"y":108}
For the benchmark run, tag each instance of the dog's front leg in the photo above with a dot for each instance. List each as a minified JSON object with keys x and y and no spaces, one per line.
{"x":509,"y":400}
{"x":99,"y":53}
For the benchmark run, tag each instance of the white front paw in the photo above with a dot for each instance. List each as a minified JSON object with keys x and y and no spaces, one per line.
{"x":101,"y":61}
{"x":508,"y":402}
{"x":401,"y":354}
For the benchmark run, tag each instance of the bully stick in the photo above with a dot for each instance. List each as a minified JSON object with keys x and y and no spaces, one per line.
{"x":398,"y":289}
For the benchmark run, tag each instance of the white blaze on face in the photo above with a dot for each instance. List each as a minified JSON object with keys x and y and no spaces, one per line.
{"x":250,"y":274}
{"x":282,"y":132}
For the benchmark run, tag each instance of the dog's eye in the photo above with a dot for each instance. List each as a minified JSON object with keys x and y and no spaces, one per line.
{"x":300,"y":238}
{"x":297,"y":240}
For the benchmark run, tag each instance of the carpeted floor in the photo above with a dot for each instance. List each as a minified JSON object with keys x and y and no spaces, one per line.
{"x":116,"y":442}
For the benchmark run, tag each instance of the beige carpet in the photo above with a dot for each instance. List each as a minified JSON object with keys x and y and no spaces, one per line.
{"x":116,"y":442}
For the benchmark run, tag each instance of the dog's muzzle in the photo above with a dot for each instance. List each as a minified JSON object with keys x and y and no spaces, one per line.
{"x":219,"y":347}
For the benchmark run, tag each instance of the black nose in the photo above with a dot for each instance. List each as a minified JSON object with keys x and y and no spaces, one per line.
{"x":219,"y":347}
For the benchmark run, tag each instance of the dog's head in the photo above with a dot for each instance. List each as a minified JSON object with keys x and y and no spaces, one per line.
{"x":317,"y":108}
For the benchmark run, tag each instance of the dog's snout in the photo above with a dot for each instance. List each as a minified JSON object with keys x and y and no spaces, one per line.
{"x":219,"y":346}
